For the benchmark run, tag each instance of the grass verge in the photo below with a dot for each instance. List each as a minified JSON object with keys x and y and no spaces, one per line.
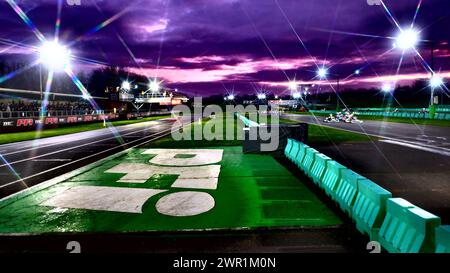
{"x":217,"y":128}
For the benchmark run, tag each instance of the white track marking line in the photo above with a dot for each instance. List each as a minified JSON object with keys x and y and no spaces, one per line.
{"x":91,"y":131}
{"x":84,"y":158}
{"x":68,"y":149}
{"x":52,"y":160}
{"x":37,"y":146}
{"x":415,"y":146}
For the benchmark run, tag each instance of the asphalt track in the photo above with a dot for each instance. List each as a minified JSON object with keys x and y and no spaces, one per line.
{"x":411,"y":161}
{"x":27,"y":163}
{"x":422,"y":137}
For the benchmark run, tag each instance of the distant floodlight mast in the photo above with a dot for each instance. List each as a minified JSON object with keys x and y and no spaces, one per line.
{"x":407,"y":39}
{"x":387,"y":88}
{"x":126,"y":85}
{"x":154,"y":86}
{"x":54,"y":56}
{"x":86,"y":96}
{"x":261,"y":96}
{"x":322,"y":73}
{"x":292,"y":86}
{"x":436,"y":81}
{"x":230,"y":97}
{"x":296,"y":95}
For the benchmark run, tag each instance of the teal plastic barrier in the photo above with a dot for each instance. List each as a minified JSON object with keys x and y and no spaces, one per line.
{"x":398,"y":225}
{"x":298,"y":160}
{"x":443,"y":239}
{"x":331,"y":177}
{"x":407,"y":228}
{"x":318,"y":167}
{"x":308,"y":161}
{"x":294,"y":150}
{"x":288,"y":148}
{"x":345,"y":193}
{"x":369,"y":209}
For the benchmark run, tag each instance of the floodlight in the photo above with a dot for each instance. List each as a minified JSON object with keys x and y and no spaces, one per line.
{"x":357,"y":71}
{"x":54,"y":55}
{"x":322,"y":73}
{"x":126,"y":85}
{"x":407,"y":39}
{"x":261,"y":96}
{"x":436,"y":81}
{"x":293,"y":86}
{"x":230,"y":97}
{"x":387,"y":88}
{"x":154,"y":86}
{"x":296,"y":95}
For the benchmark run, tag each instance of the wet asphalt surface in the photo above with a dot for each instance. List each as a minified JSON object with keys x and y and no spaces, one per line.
{"x":27,"y":163}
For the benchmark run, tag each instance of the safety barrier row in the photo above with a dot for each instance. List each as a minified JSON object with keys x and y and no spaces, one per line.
{"x":441,"y":113}
{"x":439,"y":116}
{"x":322,"y":112}
{"x":398,"y":225}
{"x":402,"y":114}
{"x":247,"y":122}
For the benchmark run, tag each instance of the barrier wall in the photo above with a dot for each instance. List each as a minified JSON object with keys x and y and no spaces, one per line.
{"x":369,"y":209}
{"x":23,"y":124}
{"x":398,"y":225}
{"x":407,"y":228}
{"x":443,"y":239}
{"x":442,"y":113}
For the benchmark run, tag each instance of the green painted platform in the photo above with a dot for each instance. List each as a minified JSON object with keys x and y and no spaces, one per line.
{"x":253,"y":191}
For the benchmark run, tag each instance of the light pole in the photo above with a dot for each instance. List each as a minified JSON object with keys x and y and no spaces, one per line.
{"x":409,"y":39}
{"x":55,"y":57}
{"x":40,"y":80}
{"x":322,"y":74}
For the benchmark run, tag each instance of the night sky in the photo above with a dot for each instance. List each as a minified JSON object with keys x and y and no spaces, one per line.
{"x":211,"y":46}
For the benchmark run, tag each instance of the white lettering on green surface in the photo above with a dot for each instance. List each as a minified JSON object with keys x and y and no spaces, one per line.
{"x":185,"y":163}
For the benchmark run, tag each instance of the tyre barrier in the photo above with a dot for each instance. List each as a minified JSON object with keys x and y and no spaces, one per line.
{"x":398,"y":225}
